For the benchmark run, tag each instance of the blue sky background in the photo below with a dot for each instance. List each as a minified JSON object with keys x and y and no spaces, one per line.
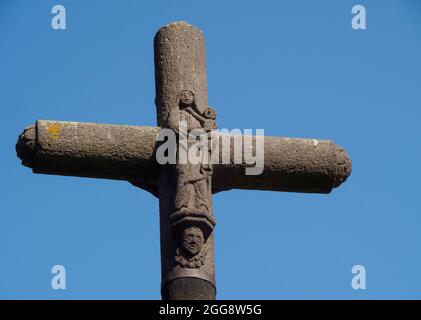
{"x":294,"y":68}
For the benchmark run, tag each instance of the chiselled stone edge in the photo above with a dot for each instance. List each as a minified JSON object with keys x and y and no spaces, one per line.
{"x":188,"y":273}
{"x":343,"y":166}
{"x":26,"y":146}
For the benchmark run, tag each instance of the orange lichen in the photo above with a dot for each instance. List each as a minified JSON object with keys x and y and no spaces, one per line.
{"x":54,"y":130}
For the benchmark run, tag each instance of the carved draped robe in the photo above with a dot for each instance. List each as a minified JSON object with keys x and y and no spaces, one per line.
{"x":193,"y":184}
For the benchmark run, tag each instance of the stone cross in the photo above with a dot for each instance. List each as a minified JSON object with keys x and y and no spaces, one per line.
{"x":184,"y":190}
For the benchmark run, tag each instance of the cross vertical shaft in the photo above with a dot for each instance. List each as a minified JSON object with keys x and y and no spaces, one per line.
{"x":180,"y":75}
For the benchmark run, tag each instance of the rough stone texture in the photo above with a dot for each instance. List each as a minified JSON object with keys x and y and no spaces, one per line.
{"x":90,"y":150}
{"x":180,"y":64}
{"x":180,"y":70}
{"x":127,"y":153}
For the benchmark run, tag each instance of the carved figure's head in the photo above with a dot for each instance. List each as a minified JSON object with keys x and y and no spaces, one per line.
{"x":210,"y":113}
{"x":186,"y":98}
{"x":192,"y":240}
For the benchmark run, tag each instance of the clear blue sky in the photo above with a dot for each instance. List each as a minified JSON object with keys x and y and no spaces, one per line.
{"x":294,"y":68}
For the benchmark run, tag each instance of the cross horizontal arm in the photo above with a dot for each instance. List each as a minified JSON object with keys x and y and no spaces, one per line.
{"x":128,"y":153}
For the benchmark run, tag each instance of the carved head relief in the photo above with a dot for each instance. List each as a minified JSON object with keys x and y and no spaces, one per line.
{"x":185,"y":99}
{"x":192,"y":249}
{"x":192,"y":241}
{"x":210,"y":113}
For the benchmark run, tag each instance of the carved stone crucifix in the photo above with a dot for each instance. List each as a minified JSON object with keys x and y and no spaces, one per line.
{"x":184,"y":189}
